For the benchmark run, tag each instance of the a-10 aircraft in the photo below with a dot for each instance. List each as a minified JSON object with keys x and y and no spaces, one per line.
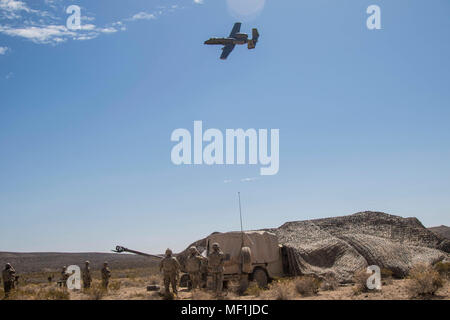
{"x":235,"y":38}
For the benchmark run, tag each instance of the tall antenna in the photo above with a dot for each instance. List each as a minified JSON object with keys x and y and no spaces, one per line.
{"x":240,"y":214}
{"x":240,"y":211}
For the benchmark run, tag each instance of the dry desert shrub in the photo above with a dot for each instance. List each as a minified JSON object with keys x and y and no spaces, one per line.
{"x":424,"y":280}
{"x":23,"y":294}
{"x":307,"y":286}
{"x":360,"y":280}
{"x":53,"y":294}
{"x":443,"y":268}
{"x":329,"y":283}
{"x":386,"y":276}
{"x":386,"y":273}
{"x":253,"y":290}
{"x":114,"y":285}
{"x":137,"y":296}
{"x":96,"y":292}
{"x":279,"y":290}
{"x":33,"y":292}
{"x":155,"y":295}
{"x":128,"y":283}
{"x":202,"y":295}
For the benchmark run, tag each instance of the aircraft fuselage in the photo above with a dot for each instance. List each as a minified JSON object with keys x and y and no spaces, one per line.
{"x":239,"y":38}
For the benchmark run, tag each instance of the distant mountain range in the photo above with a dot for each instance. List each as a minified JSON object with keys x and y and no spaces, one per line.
{"x":52,"y":261}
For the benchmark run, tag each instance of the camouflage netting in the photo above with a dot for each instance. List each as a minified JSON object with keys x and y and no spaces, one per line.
{"x":340,"y":246}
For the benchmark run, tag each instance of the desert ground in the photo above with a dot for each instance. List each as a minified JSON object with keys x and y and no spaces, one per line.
{"x":131,"y":284}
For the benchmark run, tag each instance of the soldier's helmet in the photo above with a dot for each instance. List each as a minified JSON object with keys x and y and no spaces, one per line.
{"x":64,"y":268}
{"x":168,"y":252}
{"x":8,"y":266}
{"x":215,"y":246}
{"x":105,"y":263}
{"x":87,"y":262}
{"x":193,"y":250}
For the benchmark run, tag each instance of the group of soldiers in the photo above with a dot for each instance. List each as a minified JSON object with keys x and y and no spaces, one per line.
{"x":87,"y":276}
{"x":10,"y":278}
{"x":197,"y":267}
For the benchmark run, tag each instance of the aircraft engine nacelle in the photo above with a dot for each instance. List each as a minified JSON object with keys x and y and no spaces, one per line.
{"x":241,"y":36}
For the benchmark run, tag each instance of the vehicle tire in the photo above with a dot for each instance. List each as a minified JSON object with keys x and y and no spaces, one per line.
{"x":260,"y":276}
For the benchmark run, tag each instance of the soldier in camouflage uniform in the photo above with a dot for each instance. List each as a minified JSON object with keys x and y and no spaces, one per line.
{"x":204,"y":272}
{"x":215,"y":265}
{"x":9,"y":276}
{"x":87,"y":278}
{"x":106,"y":274}
{"x":193,"y":267}
{"x":170,"y":268}
{"x":64,"y":277}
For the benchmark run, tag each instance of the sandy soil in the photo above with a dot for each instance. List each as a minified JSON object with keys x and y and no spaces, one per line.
{"x":131,"y":285}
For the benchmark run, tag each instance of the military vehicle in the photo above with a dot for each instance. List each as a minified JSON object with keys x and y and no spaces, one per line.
{"x":249,"y":256}
{"x":235,"y":38}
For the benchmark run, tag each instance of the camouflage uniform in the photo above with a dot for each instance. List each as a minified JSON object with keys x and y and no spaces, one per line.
{"x":9,"y":276}
{"x":87,"y":278}
{"x":64,"y":277}
{"x":204,"y":272}
{"x":194,"y":266}
{"x":170,"y":267}
{"x":215,"y":264}
{"x":106,"y":274}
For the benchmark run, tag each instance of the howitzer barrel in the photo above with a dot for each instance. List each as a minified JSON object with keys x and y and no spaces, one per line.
{"x":120,"y":249}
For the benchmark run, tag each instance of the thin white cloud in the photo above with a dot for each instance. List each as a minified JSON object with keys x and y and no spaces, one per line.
{"x":54,"y":34}
{"x":3,"y":50}
{"x":242,"y":180}
{"x":143,"y":16}
{"x":12,"y":9}
{"x":13,"y":5}
{"x":198,"y":1}
{"x":47,"y":25}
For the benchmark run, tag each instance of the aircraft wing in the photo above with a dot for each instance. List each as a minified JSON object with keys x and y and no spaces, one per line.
{"x":226,"y":51}
{"x":236,"y":29}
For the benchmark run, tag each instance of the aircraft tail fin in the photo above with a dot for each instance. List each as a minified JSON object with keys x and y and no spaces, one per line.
{"x":255,"y":37}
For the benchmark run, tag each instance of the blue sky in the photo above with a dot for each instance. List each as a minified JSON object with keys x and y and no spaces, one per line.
{"x":86,"y":117}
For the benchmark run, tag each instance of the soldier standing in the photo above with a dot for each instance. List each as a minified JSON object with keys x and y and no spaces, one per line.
{"x":106,"y":274}
{"x":87,"y":278}
{"x":9,"y":276}
{"x":193,"y":267}
{"x":64,"y":277}
{"x":215,"y":264}
{"x":170,"y":268}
